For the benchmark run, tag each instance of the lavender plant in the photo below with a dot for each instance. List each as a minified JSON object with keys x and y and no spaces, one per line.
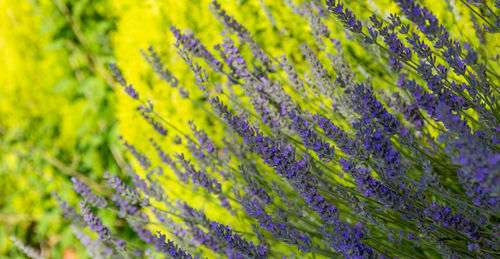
{"x":330,"y":160}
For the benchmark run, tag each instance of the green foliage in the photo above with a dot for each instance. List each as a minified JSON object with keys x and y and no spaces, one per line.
{"x":56,"y":114}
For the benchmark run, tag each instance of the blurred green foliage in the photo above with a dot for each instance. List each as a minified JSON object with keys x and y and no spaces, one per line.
{"x":56,"y":114}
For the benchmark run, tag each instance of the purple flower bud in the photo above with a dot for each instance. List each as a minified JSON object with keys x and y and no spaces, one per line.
{"x":88,"y":195}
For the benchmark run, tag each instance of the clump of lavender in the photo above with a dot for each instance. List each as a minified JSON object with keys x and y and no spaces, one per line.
{"x":26,"y":249}
{"x":401,"y":157}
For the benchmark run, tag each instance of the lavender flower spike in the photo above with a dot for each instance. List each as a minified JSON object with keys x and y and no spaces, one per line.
{"x":94,"y":223}
{"x":129,"y":89}
{"x":26,"y":249}
{"x":346,"y":16}
{"x":88,"y":195}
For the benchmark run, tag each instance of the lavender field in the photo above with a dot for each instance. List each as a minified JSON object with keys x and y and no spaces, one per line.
{"x":250,"y":129}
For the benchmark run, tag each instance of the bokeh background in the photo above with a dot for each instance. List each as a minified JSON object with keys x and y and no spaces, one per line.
{"x":60,"y":115}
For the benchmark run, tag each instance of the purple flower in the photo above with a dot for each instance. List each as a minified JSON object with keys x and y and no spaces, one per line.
{"x":377,"y":143}
{"x":169,"y":247}
{"x":344,"y":142}
{"x":125,"y":191}
{"x":69,"y":212}
{"x":167,"y":160}
{"x":141,"y":158}
{"x":94,"y":223}
{"x":311,"y":139}
{"x":193,"y":45}
{"x":280,"y":231}
{"x":233,"y":59}
{"x":237,"y":242}
{"x":125,"y":207}
{"x":160,"y":242}
{"x":155,"y":62}
{"x":345,"y":16}
{"x":234,"y":26}
{"x":281,"y":157}
{"x":473,"y":152}
{"x":223,"y":233}
{"x":129,"y":89}
{"x":203,"y":140}
{"x":26,"y":249}
{"x":148,"y":114}
{"x":253,"y":188}
{"x":199,"y":177}
{"x":95,"y":248}
{"x":88,"y":195}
